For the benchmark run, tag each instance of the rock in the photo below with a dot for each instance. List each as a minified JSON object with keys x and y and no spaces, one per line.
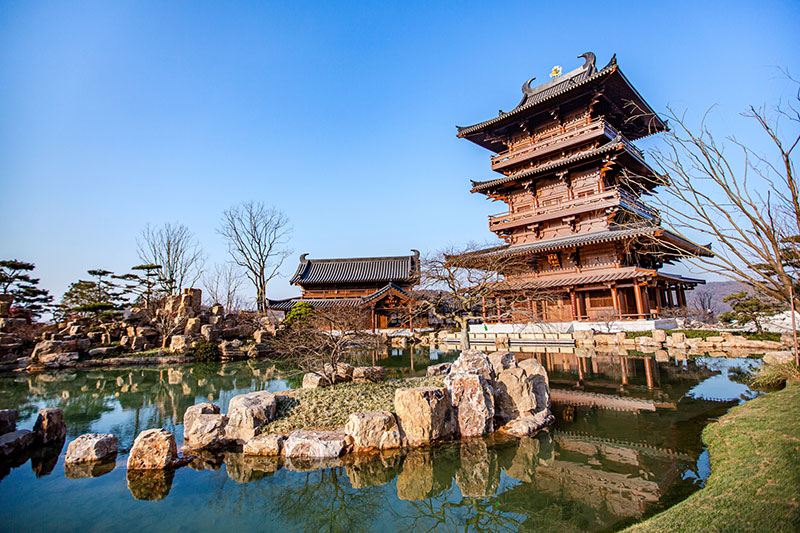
{"x":146,"y":331}
{"x":473,"y":404}
{"x":540,"y":380}
{"x":208,"y":332}
{"x":206,"y":432}
{"x":344,"y":372}
{"x":196,"y":410}
{"x":373,"y":430}
{"x":438,"y":370}
{"x":423,"y":414}
{"x":8,"y":420}
{"x":778,"y":358}
{"x":369,"y":374}
{"x":247,"y":413}
{"x":153,"y":449}
{"x":91,"y":447}
{"x":50,"y":426}
{"x":419,"y":480}
{"x":178,"y":344}
{"x":16,"y":442}
{"x":264,"y":445}
{"x":138,"y":343}
{"x":257,"y":351}
{"x":314,"y":381}
{"x":659,"y":335}
{"x":474,"y":362}
{"x":478,"y":475}
{"x":192,"y":327}
{"x":105,"y":351}
{"x":529,"y":424}
{"x":47,"y":351}
{"x":124,"y":341}
{"x":317,"y":444}
{"x":261,"y":336}
{"x":373,"y":470}
{"x":89,"y":469}
{"x":231,"y":349}
{"x":502,"y":360}
{"x":150,"y":484}
{"x":514,"y":394}
{"x":217,"y":310}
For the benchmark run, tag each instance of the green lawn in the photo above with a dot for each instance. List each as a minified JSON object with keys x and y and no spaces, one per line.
{"x":755,"y":472}
{"x":706,"y":333}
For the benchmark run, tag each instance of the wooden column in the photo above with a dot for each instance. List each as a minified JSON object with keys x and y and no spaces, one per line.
{"x":648,"y":371}
{"x":483,"y":307}
{"x":681,"y":295}
{"x":372,"y":318}
{"x":624,"y":364}
{"x":615,"y":300}
{"x":638,"y":295}
{"x":573,"y":302}
{"x":658,"y":299}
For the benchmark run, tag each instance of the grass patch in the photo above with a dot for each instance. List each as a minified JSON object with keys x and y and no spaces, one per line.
{"x":329,"y":408}
{"x":706,"y":333}
{"x":775,"y":376}
{"x":754,"y":472}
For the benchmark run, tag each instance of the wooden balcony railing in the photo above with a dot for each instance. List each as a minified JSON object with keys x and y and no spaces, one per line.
{"x":609,"y":198}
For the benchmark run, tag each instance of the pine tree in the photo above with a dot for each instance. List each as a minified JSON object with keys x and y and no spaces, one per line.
{"x":15,"y":280}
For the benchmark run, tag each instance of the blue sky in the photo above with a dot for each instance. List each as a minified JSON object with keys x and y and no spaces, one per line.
{"x":118,"y":114}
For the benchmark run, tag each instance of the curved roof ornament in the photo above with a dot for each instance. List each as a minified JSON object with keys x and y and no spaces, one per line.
{"x":527,"y":90}
{"x":589,"y":63}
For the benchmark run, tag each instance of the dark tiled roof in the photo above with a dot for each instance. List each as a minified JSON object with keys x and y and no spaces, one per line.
{"x":606,"y":235}
{"x":587,"y":278}
{"x":360,"y":269}
{"x":285,"y":305}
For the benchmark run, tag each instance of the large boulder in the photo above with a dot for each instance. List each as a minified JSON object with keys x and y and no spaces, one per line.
{"x":369,"y":374}
{"x":247,"y":413}
{"x":540,"y":381}
{"x":194,"y":411}
{"x":528,"y":424}
{"x":502,"y":360}
{"x":373,"y":430}
{"x":16,"y":442}
{"x":208,"y":332}
{"x":778,"y":358}
{"x":264,"y":445}
{"x":314,"y":381}
{"x":153,"y":449}
{"x":474,"y":362}
{"x":514,"y":394}
{"x":438,"y":370}
{"x":50,"y":426}
{"x":423,"y":414}
{"x":316,"y":444}
{"x":473,"y":404}
{"x":104,"y":351}
{"x":45,"y":350}
{"x":344,"y":372}
{"x":91,"y":447}
{"x":192,"y":327}
{"x":8,"y":420}
{"x":178,"y":344}
{"x":206,"y":432}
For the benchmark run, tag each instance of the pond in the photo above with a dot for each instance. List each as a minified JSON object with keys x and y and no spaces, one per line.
{"x":626,"y":444}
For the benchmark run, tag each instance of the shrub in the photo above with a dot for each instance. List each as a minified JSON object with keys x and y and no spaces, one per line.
{"x":205,"y":351}
{"x":776,"y":376}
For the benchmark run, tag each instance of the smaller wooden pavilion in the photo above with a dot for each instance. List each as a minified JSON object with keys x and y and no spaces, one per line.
{"x":381,"y":284}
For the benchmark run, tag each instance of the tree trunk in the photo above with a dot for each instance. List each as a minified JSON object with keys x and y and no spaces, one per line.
{"x":464,"y":334}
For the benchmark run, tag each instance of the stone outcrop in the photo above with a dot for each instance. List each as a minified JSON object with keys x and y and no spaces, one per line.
{"x":178,"y":344}
{"x":373,"y":430}
{"x":8,"y":420}
{"x":369,"y":374}
{"x":502,"y":360}
{"x":206,"y":432}
{"x":778,"y":358}
{"x":514,"y":394}
{"x":528,"y":424}
{"x":316,"y":444}
{"x":314,"y":381}
{"x":472,"y":402}
{"x":247,"y":413}
{"x":16,"y":442}
{"x":104,"y":351}
{"x":91,"y":447}
{"x":153,"y":449}
{"x":50,"y":426}
{"x":264,"y":445}
{"x":540,"y":381}
{"x":474,"y":362}
{"x":195,"y":410}
{"x":438,"y":370}
{"x":423,"y":414}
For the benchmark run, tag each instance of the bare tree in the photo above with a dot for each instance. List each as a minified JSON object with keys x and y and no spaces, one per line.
{"x":746,"y":203}
{"x":257,"y":239}
{"x":456,"y":282}
{"x":178,"y":252}
{"x":704,"y":307}
{"x":320,"y":341}
{"x":222,"y":284}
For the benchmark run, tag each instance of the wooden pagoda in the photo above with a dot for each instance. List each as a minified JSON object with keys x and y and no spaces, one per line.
{"x":573,"y":183}
{"x":381,"y":284}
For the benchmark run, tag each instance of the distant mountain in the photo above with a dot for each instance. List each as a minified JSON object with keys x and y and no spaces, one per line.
{"x":718,"y":291}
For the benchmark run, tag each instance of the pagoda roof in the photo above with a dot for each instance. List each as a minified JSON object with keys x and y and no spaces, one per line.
{"x":595,"y":237}
{"x":359,"y":269}
{"x":550,"y":282}
{"x":356,"y":301}
{"x":618,"y":145}
{"x":572,"y":82}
